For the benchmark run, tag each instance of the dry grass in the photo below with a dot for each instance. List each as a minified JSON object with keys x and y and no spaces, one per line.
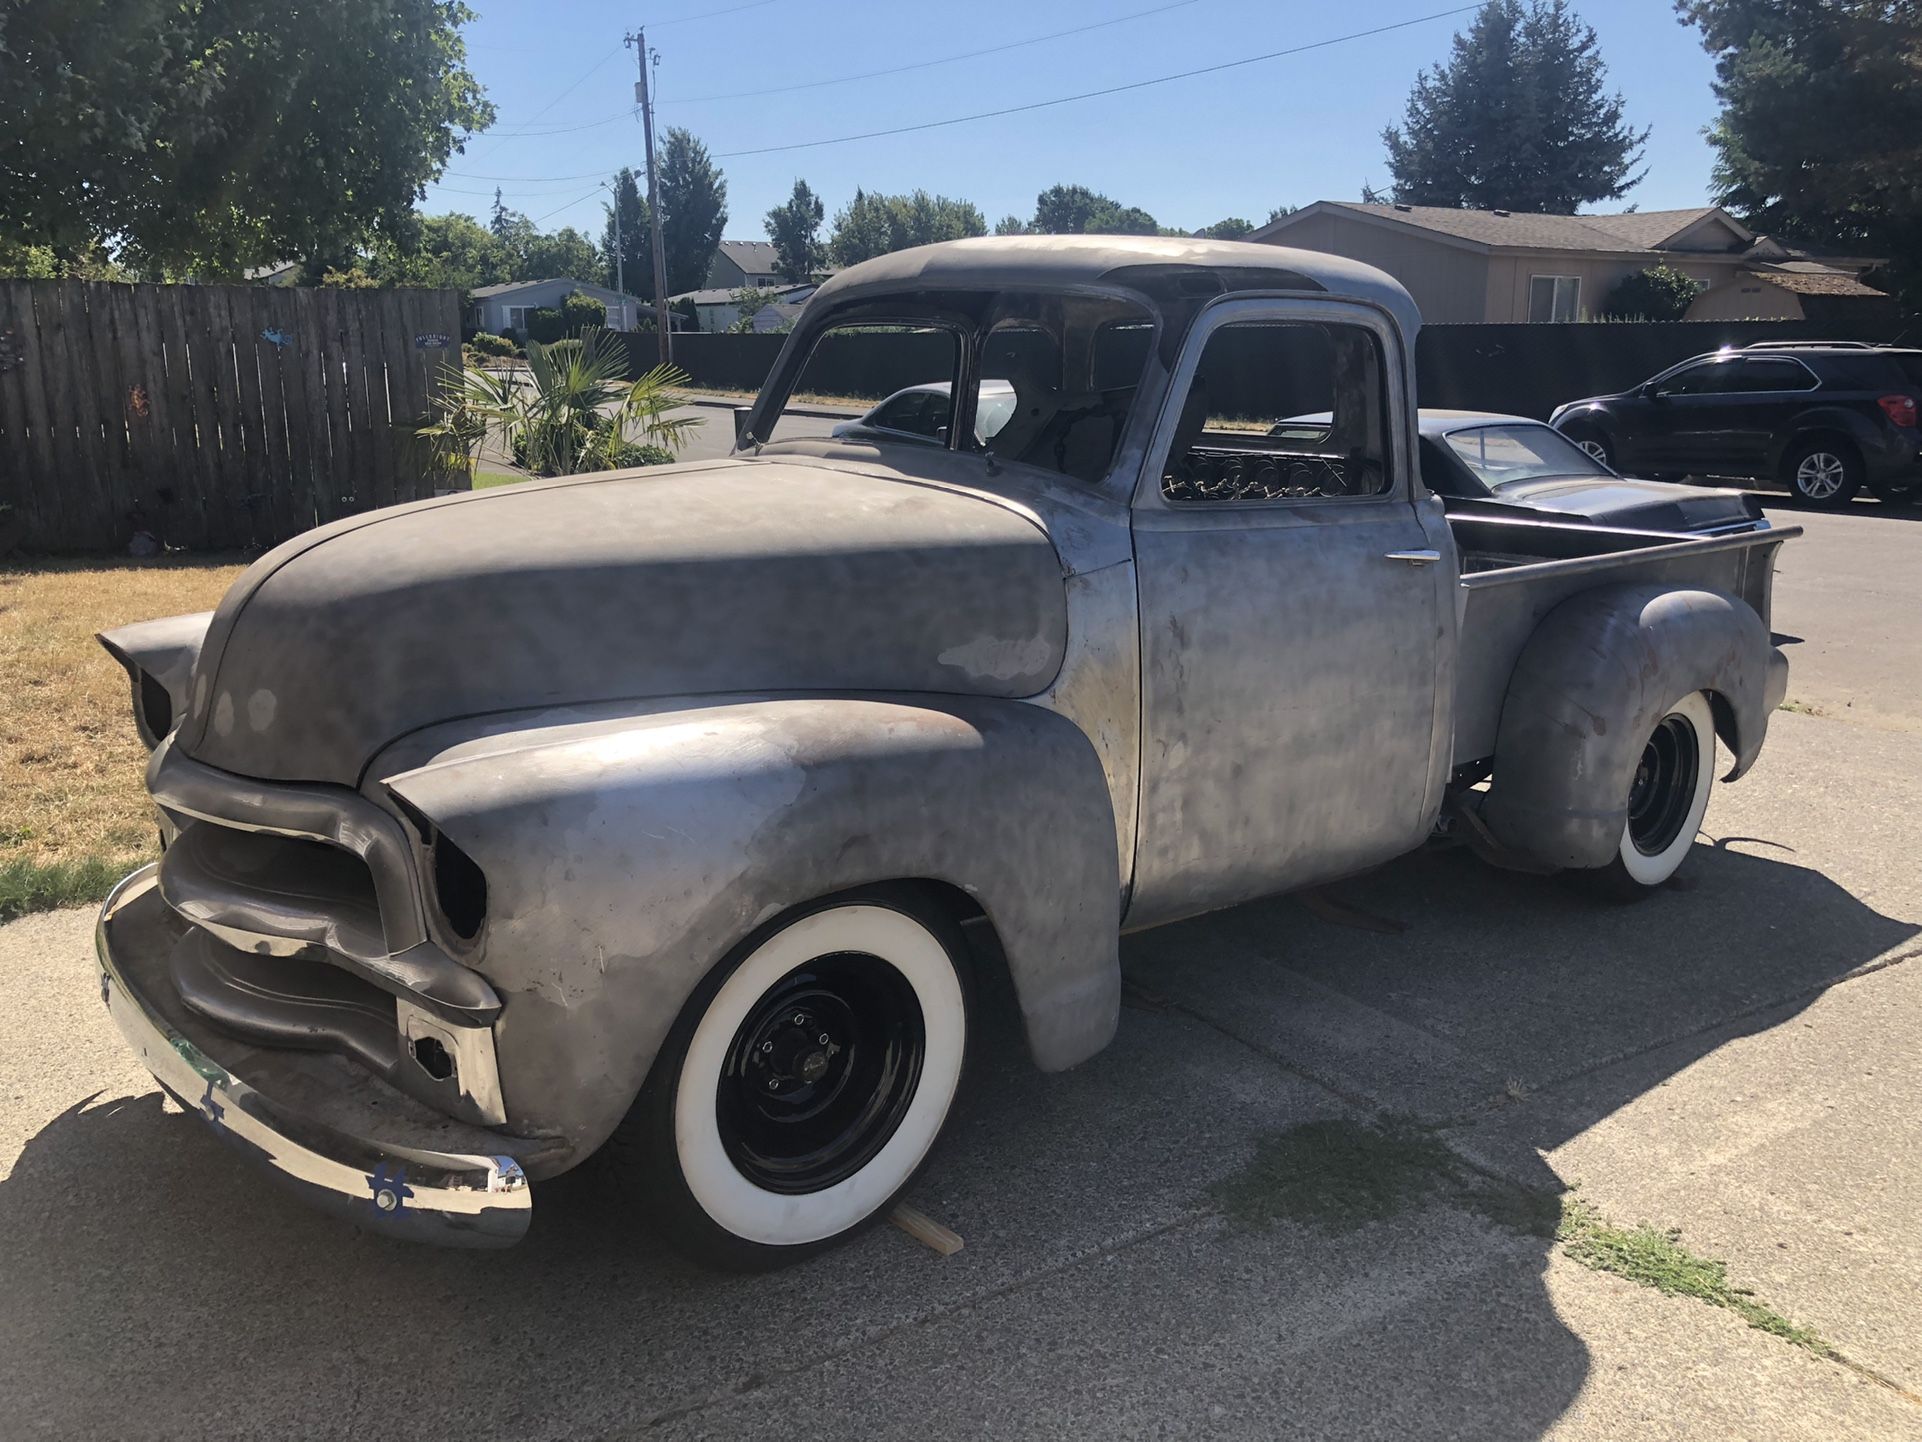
{"x":71,"y":763}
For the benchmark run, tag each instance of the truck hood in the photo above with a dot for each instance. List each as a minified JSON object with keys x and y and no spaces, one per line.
{"x":1638,"y":505}
{"x":748,"y":575}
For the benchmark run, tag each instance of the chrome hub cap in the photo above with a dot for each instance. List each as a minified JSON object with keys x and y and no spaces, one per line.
{"x":1596,"y":450}
{"x":1820,"y":475}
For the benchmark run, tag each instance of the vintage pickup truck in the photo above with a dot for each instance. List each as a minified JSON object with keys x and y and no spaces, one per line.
{"x":664,"y":816}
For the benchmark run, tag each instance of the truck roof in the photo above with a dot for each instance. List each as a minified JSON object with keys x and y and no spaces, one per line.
{"x":988,"y":262}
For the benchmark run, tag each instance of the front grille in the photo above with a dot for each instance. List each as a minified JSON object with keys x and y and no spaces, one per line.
{"x":307,"y":930}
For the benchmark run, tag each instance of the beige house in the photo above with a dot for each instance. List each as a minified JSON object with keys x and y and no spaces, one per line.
{"x":1497,"y":265}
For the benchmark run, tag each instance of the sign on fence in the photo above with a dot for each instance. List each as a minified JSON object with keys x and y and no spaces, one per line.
{"x":212,"y":416}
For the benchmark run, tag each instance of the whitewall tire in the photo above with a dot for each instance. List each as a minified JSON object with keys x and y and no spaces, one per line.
{"x":1668,"y":795}
{"x":807,"y":1079}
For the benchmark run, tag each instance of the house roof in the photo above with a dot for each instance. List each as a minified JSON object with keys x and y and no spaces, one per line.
{"x":1805,"y":282}
{"x":756,"y":257}
{"x":724,"y":294}
{"x":487,"y":292}
{"x":1631,"y":231}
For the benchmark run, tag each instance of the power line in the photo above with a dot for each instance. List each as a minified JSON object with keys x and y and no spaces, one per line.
{"x":569,"y":206}
{"x":1097,"y":94}
{"x":938,"y":60}
{"x":535,"y":179}
{"x":711,"y":14}
{"x":569,"y":90}
{"x":542,"y":132}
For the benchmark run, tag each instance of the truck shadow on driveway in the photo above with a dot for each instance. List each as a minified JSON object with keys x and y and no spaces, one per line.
{"x":156,"y":1284}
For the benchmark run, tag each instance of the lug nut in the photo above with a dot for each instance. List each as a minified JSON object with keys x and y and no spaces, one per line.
{"x":825,"y":1039}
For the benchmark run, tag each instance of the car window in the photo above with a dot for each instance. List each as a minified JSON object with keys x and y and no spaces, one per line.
{"x":1241,"y":434}
{"x":1871,"y":372}
{"x":922,"y":413}
{"x":1504,"y":455}
{"x":1762,"y":374}
{"x":1711,"y":377}
{"x":893,"y":364}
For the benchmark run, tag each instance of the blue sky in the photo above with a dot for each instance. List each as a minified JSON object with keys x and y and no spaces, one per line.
{"x":1290,"y":130}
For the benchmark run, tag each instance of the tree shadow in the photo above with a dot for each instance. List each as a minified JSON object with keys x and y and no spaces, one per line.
{"x":155,"y":1283}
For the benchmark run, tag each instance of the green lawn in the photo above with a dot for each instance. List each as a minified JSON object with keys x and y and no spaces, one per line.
{"x":484,"y":479}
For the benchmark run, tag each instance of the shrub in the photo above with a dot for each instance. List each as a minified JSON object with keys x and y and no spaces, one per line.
{"x":1658,"y":293}
{"x":580,"y":311}
{"x":638,"y":453}
{"x":546,"y":325}
{"x":488,"y":344}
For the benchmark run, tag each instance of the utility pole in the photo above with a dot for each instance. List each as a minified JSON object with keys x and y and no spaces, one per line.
{"x":639,"y":40}
{"x":620,"y":285}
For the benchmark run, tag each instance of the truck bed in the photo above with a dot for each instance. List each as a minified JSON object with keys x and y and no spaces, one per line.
{"x":1515,"y":571}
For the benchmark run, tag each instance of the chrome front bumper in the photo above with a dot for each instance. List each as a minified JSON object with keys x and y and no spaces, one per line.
{"x":447,"y":1198}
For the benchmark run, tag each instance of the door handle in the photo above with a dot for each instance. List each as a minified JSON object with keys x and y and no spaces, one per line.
{"x":1414,"y":558}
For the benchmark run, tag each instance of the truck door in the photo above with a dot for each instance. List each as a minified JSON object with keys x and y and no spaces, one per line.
{"x":1296,"y":606}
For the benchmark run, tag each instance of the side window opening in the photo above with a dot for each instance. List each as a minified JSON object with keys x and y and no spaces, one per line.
{"x":1282,"y":411}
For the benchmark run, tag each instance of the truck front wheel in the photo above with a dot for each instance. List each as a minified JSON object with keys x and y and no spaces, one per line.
{"x":1667,"y":797}
{"x":805,"y":1082}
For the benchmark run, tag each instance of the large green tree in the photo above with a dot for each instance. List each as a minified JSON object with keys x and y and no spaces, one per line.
{"x":693,"y":210}
{"x":563,"y":254}
{"x":871,"y":225}
{"x":636,"y":270}
{"x":795,"y":229}
{"x":1820,"y":134}
{"x":452,"y":251}
{"x":1077,"y":210}
{"x":1520,"y":118}
{"x":205,"y":136}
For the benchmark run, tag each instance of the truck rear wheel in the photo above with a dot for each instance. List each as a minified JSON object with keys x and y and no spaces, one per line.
{"x":805,"y":1082}
{"x":1667,"y":798}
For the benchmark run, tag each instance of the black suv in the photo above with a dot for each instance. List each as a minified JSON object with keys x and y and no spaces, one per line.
{"x":1823,"y":417}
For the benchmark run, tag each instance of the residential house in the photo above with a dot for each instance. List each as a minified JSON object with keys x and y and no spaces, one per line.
{"x":501,"y":308}
{"x":718,"y":308}
{"x":740,"y":264}
{"x":1498,"y":265}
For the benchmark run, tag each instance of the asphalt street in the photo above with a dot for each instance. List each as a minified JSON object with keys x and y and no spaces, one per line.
{"x":1738,"y":1058}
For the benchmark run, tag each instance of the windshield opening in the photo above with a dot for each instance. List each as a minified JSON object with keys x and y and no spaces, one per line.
{"x":1504,"y":455}
{"x":1051,"y":384}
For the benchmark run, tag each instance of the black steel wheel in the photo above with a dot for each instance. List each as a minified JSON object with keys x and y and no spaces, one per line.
{"x":805,"y":1082}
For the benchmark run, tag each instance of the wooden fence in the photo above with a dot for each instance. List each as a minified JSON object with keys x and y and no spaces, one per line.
{"x":212,"y":416}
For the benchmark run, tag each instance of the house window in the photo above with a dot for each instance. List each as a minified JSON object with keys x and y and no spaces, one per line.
{"x":517,"y":318}
{"x":1554,"y":297}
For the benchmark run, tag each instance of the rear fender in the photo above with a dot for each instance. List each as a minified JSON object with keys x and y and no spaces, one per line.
{"x":624,"y":858}
{"x":1852,"y":426}
{"x":159,"y":658}
{"x":1600,"y":670}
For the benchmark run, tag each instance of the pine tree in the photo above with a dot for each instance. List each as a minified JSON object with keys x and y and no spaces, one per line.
{"x":1518,"y":119}
{"x":636,"y":270}
{"x":1820,"y":135}
{"x":795,"y":229}
{"x":693,"y":210}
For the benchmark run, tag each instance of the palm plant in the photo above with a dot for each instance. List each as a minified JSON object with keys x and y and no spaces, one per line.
{"x":575,"y":412}
{"x":468,"y":401}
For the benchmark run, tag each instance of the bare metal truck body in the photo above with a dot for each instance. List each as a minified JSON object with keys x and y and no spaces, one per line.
{"x":640,"y":813}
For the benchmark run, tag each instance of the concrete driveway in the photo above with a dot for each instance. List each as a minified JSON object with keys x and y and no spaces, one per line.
{"x":1737,"y":1058}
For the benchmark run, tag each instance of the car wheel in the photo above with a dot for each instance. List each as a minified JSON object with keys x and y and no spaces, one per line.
{"x":1594,"y":442}
{"x":1823,"y":472}
{"x":1667,"y":796}
{"x":804,"y":1083}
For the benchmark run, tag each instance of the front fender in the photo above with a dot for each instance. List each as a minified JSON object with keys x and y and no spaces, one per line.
{"x":624,"y":857}
{"x":1600,"y":670}
{"x":159,"y":658}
